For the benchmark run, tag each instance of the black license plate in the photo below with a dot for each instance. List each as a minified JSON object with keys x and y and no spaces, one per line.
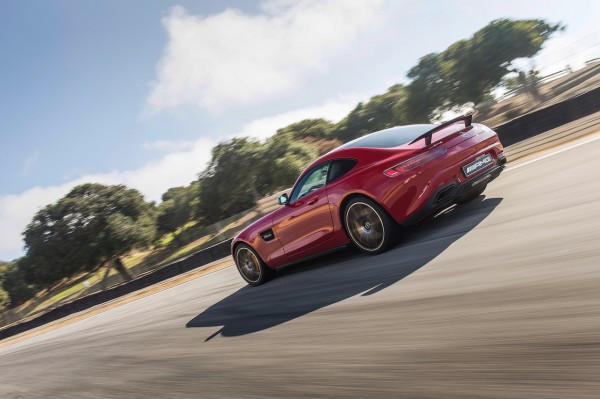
{"x":477,"y":165}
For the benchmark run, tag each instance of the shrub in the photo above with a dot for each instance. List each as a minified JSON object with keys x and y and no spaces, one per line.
{"x":13,"y":283}
{"x":4,"y":299}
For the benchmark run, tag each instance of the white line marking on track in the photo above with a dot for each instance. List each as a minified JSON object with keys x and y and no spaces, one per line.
{"x":578,"y":144}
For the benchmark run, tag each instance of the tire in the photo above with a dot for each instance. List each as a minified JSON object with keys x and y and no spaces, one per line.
{"x":251,"y":267}
{"x":472,"y":195}
{"x":368,"y":225}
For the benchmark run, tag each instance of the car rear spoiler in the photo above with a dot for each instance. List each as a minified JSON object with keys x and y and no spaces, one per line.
{"x":468,"y":118}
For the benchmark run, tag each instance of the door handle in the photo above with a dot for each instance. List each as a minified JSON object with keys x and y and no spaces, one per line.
{"x":312,"y":201}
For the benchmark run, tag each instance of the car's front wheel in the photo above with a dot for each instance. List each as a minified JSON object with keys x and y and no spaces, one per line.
{"x":368,"y":225}
{"x":251,"y":267}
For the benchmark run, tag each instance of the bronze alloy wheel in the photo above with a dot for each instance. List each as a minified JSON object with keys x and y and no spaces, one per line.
{"x":248,"y":265}
{"x":365,"y":226}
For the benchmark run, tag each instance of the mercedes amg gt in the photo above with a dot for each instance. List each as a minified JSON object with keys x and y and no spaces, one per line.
{"x":360,"y":192}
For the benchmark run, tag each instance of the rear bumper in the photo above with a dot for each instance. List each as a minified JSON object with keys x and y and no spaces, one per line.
{"x":455,"y":191}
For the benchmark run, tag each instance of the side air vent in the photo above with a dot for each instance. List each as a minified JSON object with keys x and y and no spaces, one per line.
{"x":267,"y":235}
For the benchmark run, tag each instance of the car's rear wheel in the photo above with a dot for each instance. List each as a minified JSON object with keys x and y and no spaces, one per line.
{"x":251,"y":267}
{"x":368,"y":225}
{"x":472,"y":195}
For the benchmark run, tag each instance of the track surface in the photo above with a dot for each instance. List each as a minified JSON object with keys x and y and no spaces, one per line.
{"x":498,"y":298}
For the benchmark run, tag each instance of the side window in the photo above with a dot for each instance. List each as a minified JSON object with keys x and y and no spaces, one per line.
{"x":311,"y":181}
{"x":339,"y":168}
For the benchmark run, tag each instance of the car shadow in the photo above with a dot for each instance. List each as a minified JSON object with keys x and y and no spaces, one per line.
{"x":312,"y":285}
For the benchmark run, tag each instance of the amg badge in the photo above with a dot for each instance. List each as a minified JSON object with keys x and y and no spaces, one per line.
{"x":477,"y":165}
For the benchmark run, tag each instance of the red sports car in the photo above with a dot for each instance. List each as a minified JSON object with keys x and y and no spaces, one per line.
{"x":362,"y":191}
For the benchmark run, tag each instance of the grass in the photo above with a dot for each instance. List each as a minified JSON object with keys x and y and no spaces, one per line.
{"x":185,"y":250}
{"x":224,"y":233}
{"x":169,"y":237}
{"x":61,"y":295}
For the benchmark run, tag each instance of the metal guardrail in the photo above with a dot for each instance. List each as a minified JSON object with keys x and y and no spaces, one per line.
{"x":592,"y":61}
{"x":173,"y":269}
{"x":550,"y":117}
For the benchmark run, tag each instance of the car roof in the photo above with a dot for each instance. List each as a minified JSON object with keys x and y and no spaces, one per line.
{"x":380,"y":140}
{"x":389,"y":138}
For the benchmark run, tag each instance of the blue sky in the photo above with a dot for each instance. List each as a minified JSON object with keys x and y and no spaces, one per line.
{"x":137,"y":92}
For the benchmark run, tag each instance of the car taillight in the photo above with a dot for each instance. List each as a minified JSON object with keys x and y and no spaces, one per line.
{"x":414,"y":162}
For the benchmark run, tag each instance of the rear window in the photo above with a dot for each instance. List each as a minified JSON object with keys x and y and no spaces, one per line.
{"x":389,"y":138}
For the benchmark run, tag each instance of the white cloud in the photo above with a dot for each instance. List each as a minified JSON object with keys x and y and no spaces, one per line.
{"x":333,"y":110}
{"x":233,"y":59}
{"x":152,"y":180}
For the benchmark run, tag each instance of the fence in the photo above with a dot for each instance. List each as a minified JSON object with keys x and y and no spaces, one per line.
{"x":191,"y":262}
{"x":550,"y":117}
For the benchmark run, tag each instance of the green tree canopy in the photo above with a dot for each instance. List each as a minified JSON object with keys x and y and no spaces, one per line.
{"x":380,"y":112}
{"x":469,"y":69}
{"x":314,"y":128}
{"x":13,"y":283}
{"x":312,"y":133}
{"x":88,"y":227}
{"x":178,"y":206}
{"x":4,"y":299}
{"x":284,"y":158}
{"x":229,"y":183}
{"x":242,"y":171}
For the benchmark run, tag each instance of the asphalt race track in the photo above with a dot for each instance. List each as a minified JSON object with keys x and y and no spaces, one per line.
{"x":499,"y":298}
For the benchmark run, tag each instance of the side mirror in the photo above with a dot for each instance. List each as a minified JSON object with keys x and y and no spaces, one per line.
{"x":283,"y":199}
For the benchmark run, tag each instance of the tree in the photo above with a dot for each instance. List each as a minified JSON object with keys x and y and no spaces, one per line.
{"x":242,"y":171}
{"x":314,"y":128}
{"x":380,"y":112}
{"x":316,"y":133}
{"x":13,"y":283}
{"x":93,"y":224}
{"x":284,"y":158}
{"x":428,"y":89}
{"x":229,"y":184}
{"x":178,"y":206}
{"x":321,"y":146}
{"x":469,"y":69}
{"x":4,"y":299}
